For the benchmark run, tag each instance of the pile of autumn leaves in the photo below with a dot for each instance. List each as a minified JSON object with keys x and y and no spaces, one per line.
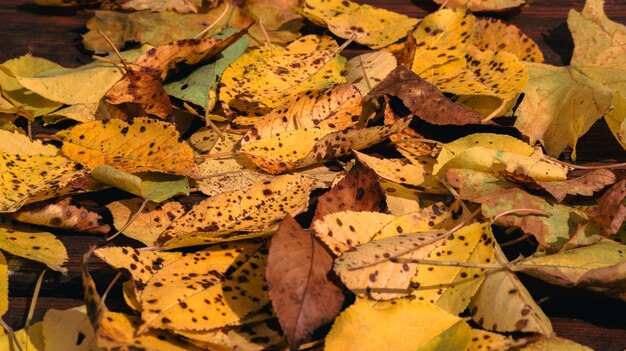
{"x":410,"y":237}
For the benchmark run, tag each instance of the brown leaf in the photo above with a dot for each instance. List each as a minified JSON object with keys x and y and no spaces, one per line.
{"x":63,"y":215}
{"x":303,"y":297}
{"x":424,"y":99}
{"x":586,"y":184}
{"x":358,"y":191}
{"x":611,"y":212}
{"x":142,"y":87}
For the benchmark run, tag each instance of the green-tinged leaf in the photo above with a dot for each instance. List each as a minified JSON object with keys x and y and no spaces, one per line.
{"x":24,"y":241}
{"x":374,"y":326}
{"x":156,"y":187}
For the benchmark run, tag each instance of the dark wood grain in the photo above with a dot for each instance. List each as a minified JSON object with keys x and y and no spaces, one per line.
{"x":56,"y":34}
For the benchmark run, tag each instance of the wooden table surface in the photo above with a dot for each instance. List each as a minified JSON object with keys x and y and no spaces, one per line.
{"x":56,"y":34}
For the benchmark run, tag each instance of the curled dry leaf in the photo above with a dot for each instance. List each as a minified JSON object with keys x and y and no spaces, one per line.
{"x":63,"y":215}
{"x":297,"y":276}
{"x":143,"y":145}
{"x":373,"y":326}
{"x":424,"y":99}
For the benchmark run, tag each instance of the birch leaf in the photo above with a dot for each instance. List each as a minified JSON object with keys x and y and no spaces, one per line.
{"x":24,"y":241}
{"x":262,"y":79}
{"x":302,"y":295}
{"x":63,"y":215}
{"x":586,"y":184}
{"x":4,"y":285}
{"x":481,"y":340}
{"x":368,"y":327}
{"x":367,"y":70}
{"x":336,"y":108}
{"x":555,"y":344}
{"x":181,"y":6}
{"x":143,"y":146}
{"x":248,"y":210}
{"x":301,"y":148}
{"x":372,"y":26}
{"x":483,"y":5}
{"x":82,"y":113}
{"x":611,"y":210}
{"x":68,"y":330}
{"x":503,"y":304}
{"x":15,"y":143}
{"x":398,"y":171}
{"x":400,"y":199}
{"x":493,"y":34}
{"x":31,"y":339}
{"x":223,"y":284}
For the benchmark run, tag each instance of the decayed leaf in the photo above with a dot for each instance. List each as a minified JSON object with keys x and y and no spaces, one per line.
{"x":564,"y":226}
{"x":4,"y":285}
{"x":336,"y":108}
{"x":144,"y":145}
{"x":248,"y":210}
{"x":401,"y":172}
{"x":481,"y":340}
{"x":31,"y":339}
{"x":68,"y":330}
{"x":359,"y":190}
{"x":371,"y":26}
{"x":586,"y":184}
{"x":560,"y":105}
{"x":367,"y":70}
{"x":611,"y":211}
{"x":493,"y":34}
{"x":200,"y":86}
{"x":24,"y":241}
{"x":262,"y":79}
{"x":148,"y":225}
{"x":151,"y":186}
{"x":424,"y":99}
{"x":452,"y":287}
{"x":604,"y":269}
{"x":483,"y":5}
{"x":387,"y":326}
{"x":504,"y":304}
{"x":301,"y":148}
{"x":302,"y":295}
{"x":63,"y":215}
{"x":555,"y":344}
{"x":143,"y":88}
{"x":216,"y":287}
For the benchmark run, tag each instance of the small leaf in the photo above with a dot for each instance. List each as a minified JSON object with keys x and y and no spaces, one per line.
{"x":302,"y":295}
{"x":369,"y":326}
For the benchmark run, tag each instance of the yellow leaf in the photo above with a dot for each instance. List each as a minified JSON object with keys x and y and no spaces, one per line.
{"x":180,"y":6}
{"x":148,"y":225}
{"x":504,"y":304}
{"x":21,"y":240}
{"x":399,"y":171}
{"x":247,"y":210}
{"x":301,"y":148}
{"x":369,"y":69}
{"x":336,"y":108}
{"x":483,"y":5}
{"x":400,"y":199}
{"x":14,"y":143}
{"x":493,"y":34}
{"x":452,"y":287}
{"x":372,"y":26}
{"x":262,"y":79}
{"x":366,"y":326}
{"x":555,"y":344}
{"x":68,"y":330}
{"x":4,"y":285}
{"x":209,"y":289}
{"x":82,"y":113}
{"x":143,"y":146}
{"x":31,"y":339}
{"x":481,"y":340}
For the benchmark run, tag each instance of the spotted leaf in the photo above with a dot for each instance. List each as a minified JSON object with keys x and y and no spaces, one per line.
{"x":367,"y":70}
{"x":483,"y":5}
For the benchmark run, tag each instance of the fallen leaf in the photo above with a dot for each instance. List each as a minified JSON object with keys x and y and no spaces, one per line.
{"x":247,"y":210}
{"x":4,"y":285}
{"x":181,"y":6}
{"x":68,"y":330}
{"x":371,"y":26}
{"x":24,"y":241}
{"x":482,"y":340}
{"x":367,"y":70}
{"x":359,"y":190}
{"x":63,"y":215}
{"x":555,"y":344}
{"x":14,"y":143}
{"x":424,"y":99}
{"x":82,"y":113}
{"x":611,"y":212}
{"x":301,"y":148}
{"x":143,"y":146}
{"x":400,"y":199}
{"x":150,"y":223}
{"x":375,"y":326}
{"x":399,"y":171}
{"x":483,"y":5}
{"x":262,"y":79}
{"x":586,"y":184}
{"x":336,"y":108}
{"x":493,"y":34}
{"x":31,"y":339}
{"x":302,"y":295}
{"x":503,"y":304}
